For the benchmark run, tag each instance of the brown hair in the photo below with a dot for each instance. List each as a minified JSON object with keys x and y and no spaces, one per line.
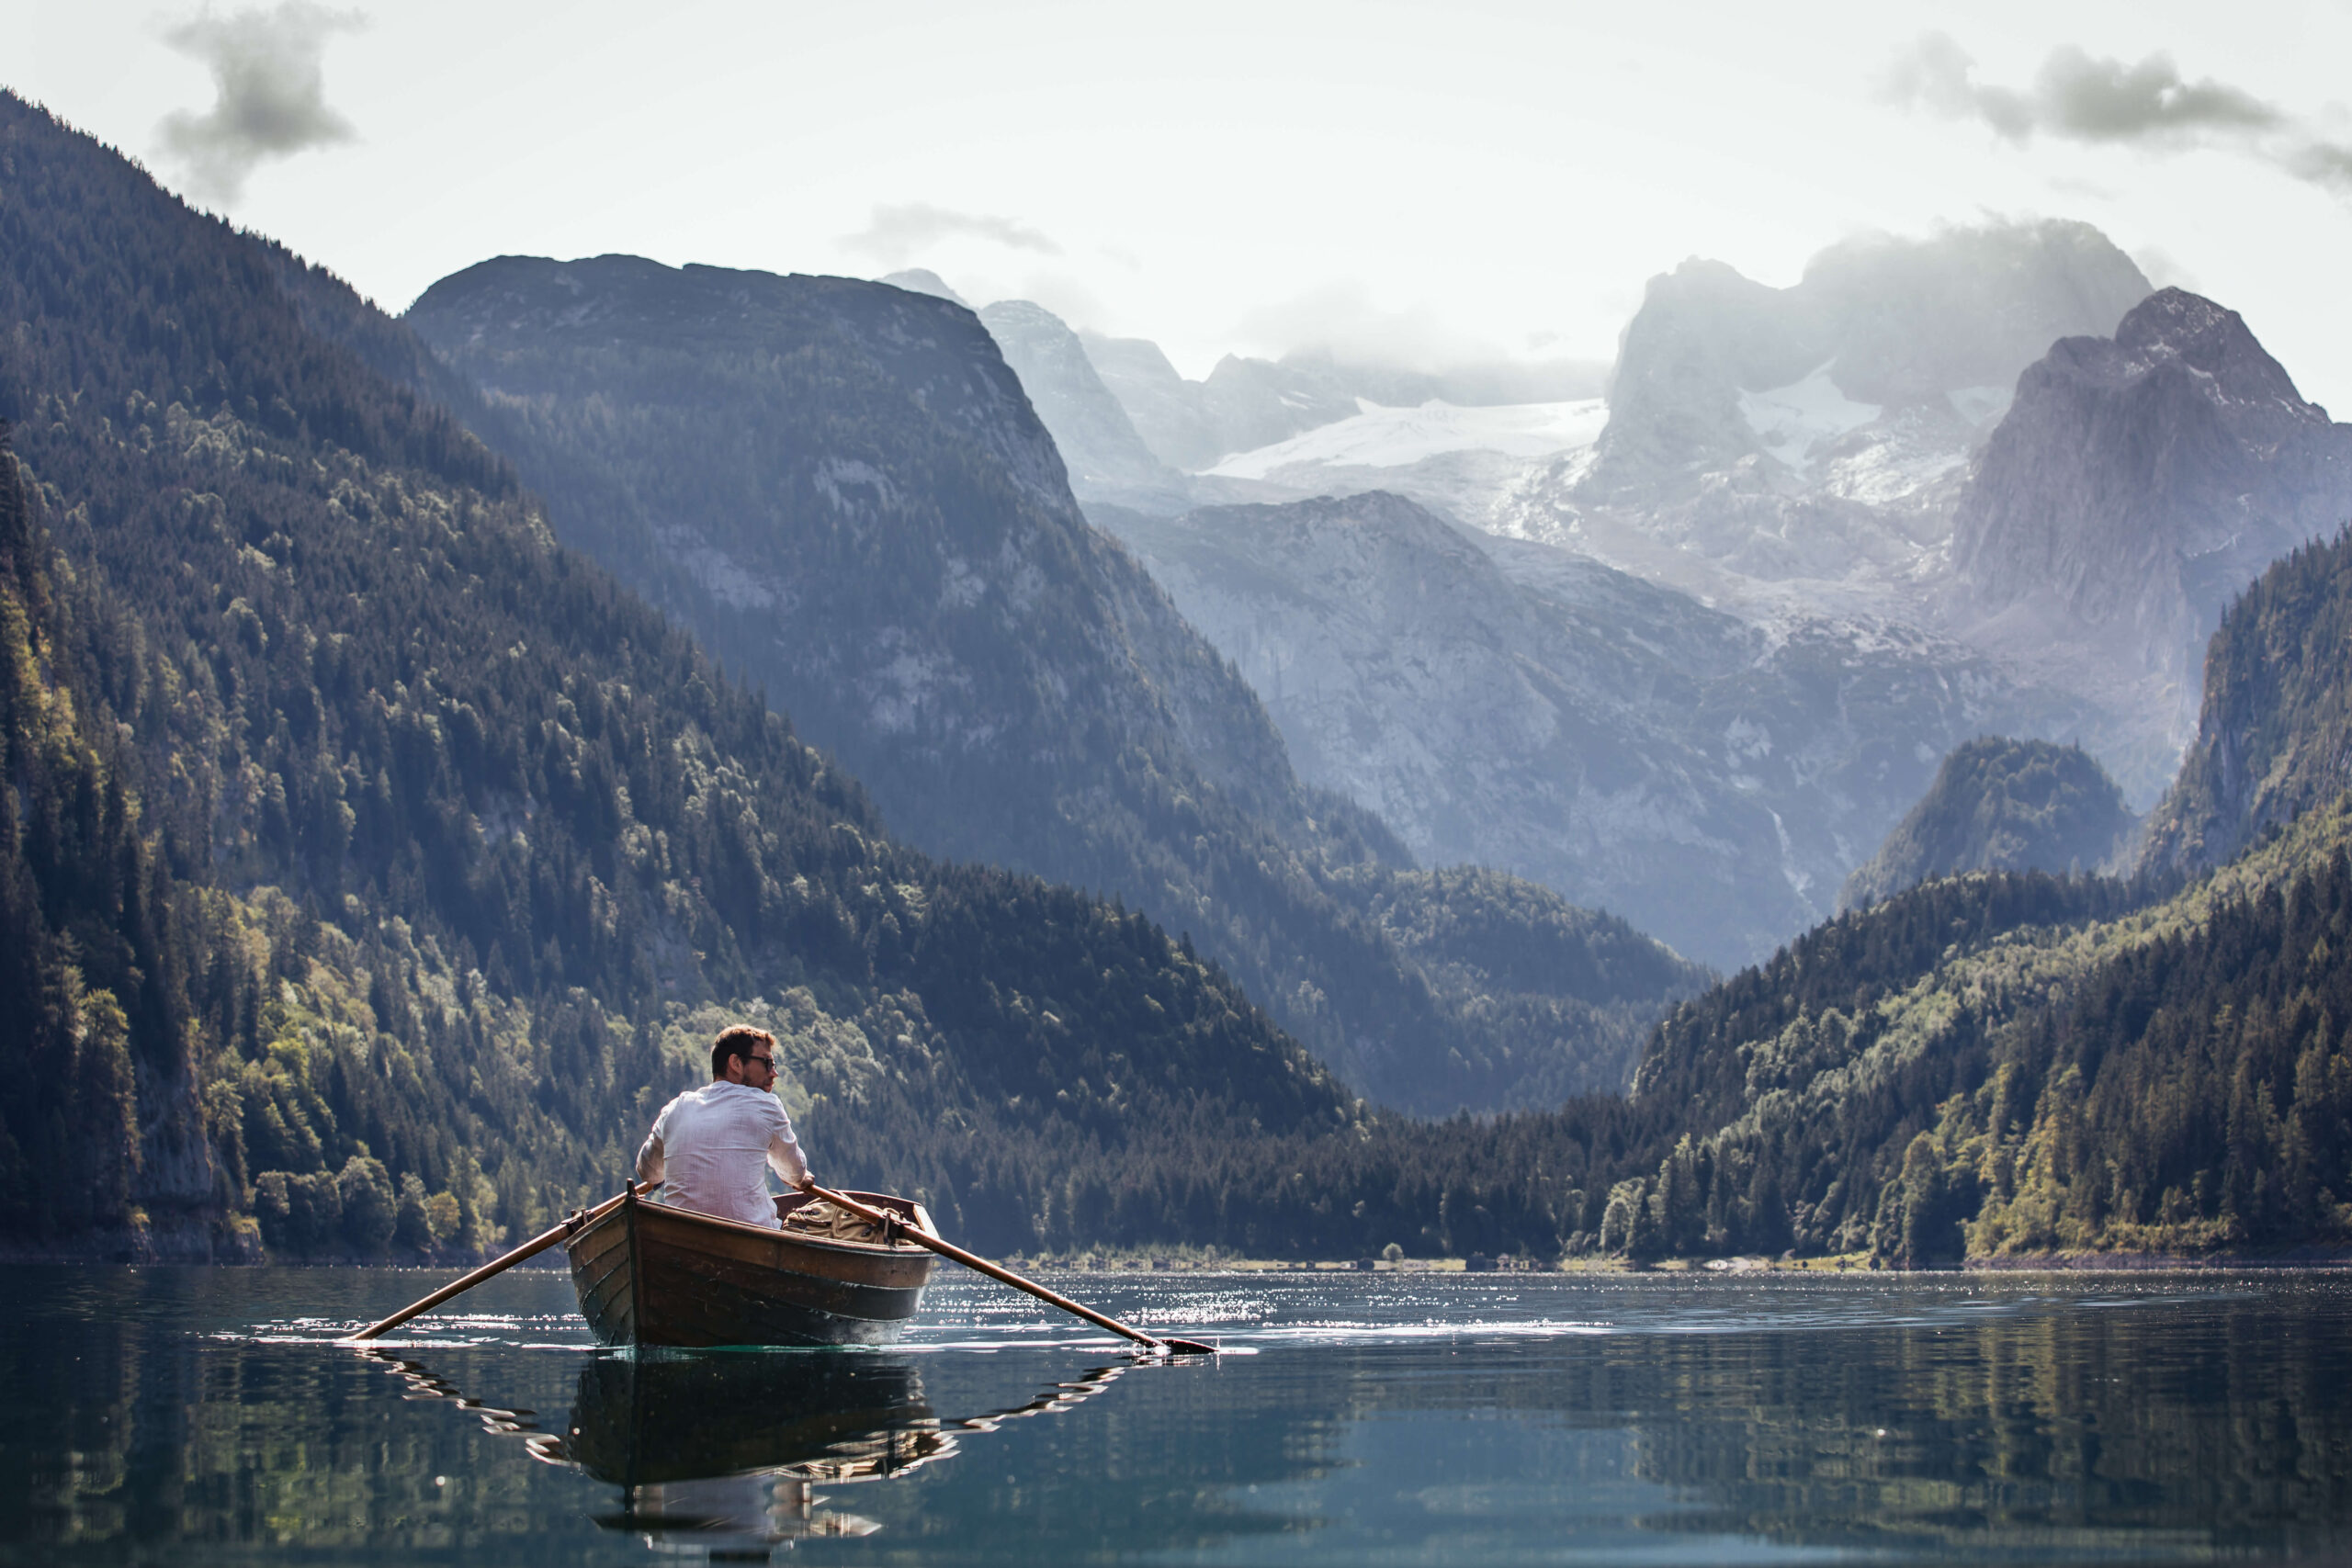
{"x":737,"y":1040}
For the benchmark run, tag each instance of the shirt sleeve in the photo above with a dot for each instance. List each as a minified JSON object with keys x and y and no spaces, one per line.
{"x":652,"y":1165}
{"x":784,"y":1150}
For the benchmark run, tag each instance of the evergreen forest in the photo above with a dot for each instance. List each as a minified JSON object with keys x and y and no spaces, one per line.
{"x":2001,"y":805}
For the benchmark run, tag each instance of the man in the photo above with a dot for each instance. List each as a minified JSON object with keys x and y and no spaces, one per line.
{"x":709,"y":1145}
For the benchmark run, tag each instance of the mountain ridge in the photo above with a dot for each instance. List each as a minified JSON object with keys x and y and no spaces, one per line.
{"x":1015,"y":685}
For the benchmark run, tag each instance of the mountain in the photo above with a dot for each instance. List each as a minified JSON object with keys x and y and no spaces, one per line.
{"x":1797,"y":456}
{"x":1998,"y":435}
{"x":1107,"y":461}
{"x":1887,"y":355}
{"x":844,"y":489}
{"x":1165,"y":409}
{"x":374,"y":866}
{"x":2138,"y":484}
{"x":1822,"y":431}
{"x":2005,"y":1065}
{"x":2000,"y":805}
{"x":1512,"y":705}
{"x":2275,"y":735}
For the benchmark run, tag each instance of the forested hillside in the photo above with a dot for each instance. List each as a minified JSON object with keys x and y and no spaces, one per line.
{"x":90,"y":940}
{"x":375,"y":864}
{"x":1996,"y":1065}
{"x":2002,"y":1065}
{"x":841,"y":488}
{"x":2000,"y":805}
{"x":2275,"y":735}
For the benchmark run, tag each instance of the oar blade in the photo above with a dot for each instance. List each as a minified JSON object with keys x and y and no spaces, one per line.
{"x":1187,"y":1348}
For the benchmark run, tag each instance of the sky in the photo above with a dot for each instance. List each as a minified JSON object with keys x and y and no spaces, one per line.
{"x":1427,"y":183}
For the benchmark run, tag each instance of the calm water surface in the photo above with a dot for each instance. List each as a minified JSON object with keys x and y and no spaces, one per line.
{"x":202,"y":1416}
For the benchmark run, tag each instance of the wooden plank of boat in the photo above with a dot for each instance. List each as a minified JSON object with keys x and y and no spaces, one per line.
{"x":649,"y":1274}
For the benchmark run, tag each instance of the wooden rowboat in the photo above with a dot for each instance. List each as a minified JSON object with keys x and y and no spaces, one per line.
{"x":649,"y":1274}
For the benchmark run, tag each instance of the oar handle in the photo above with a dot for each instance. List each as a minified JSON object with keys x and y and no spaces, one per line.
{"x":530,"y":1248}
{"x":949,"y":1249}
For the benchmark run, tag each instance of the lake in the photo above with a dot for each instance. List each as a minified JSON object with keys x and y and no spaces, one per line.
{"x":203,"y":1415}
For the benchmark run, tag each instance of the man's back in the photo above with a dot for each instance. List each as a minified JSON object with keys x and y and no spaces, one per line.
{"x":712,"y":1146}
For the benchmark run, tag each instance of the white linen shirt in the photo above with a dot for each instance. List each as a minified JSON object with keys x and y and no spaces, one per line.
{"x":707,"y":1145}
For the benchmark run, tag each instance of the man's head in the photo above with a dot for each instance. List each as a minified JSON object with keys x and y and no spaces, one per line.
{"x":744,"y":1055}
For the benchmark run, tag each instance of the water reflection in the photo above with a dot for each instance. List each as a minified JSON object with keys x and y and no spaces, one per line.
{"x":724,"y":1452}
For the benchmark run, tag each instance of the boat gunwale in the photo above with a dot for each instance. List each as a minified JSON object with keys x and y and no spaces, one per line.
{"x":920,"y":1222}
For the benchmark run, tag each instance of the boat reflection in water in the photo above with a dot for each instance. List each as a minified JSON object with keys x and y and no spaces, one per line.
{"x":737,"y":1452}
{"x":738,"y":1445}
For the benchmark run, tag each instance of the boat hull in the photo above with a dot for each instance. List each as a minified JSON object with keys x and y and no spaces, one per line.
{"x":646,"y":1274}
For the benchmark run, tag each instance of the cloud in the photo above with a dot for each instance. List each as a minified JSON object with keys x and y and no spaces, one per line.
{"x":2076,"y":97}
{"x":895,"y":234}
{"x":271,"y":90}
{"x":1340,"y":319}
{"x":2326,"y":164}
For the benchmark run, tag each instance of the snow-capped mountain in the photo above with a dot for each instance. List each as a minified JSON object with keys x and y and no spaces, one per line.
{"x":1885,"y":353}
{"x":1797,"y":455}
{"x":1825,"y":429}
{"x":1778,"y":471}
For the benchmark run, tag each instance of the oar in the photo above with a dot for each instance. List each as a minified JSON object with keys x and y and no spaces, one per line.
{"x":530,"y":1248}
{"x":895,"y":1224}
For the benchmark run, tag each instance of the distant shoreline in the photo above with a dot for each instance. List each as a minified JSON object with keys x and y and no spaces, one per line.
{"x":2302,"y":1258}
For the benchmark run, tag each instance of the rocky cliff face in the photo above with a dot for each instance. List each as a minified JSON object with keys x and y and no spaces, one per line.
{"x":1106,"y":459}
{"x":1165,"y":407}
{"x":1517,"y":705}
{"x":2141,"y":481}
{"x":845,"y":485}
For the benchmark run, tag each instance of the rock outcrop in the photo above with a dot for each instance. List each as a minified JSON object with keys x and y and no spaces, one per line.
{"x":2141,"y":481}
